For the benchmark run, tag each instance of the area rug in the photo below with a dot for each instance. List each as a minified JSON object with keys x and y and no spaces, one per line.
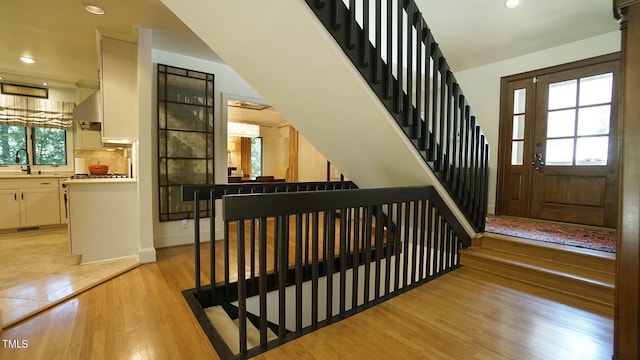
{"x":600,"y":239}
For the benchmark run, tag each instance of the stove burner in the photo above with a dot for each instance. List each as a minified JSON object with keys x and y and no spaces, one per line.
{"x":102,"y":176}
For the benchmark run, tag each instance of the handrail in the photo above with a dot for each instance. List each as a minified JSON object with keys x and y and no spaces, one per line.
{"x":262,"y":205}
{"x":419,"y":90}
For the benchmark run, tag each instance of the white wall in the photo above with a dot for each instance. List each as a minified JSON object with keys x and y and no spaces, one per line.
{"x":227,"y":82}
{"x":481,"y":86}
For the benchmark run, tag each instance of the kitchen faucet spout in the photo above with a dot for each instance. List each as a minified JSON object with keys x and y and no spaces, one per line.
{"x":17,"y":159}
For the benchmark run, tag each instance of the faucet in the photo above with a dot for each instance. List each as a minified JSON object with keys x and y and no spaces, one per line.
{"x":17,"y":159}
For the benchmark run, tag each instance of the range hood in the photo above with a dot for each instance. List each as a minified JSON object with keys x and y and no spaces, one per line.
{"x":88,"y":113}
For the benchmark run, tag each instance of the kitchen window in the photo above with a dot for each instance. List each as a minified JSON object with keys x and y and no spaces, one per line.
{"x":33,"y":131}
{"x":47,"y":147}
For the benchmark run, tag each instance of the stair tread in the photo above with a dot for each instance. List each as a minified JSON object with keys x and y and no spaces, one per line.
{"x":228,"y":329}
{"x":557,"y":268}
{"x":517,"y":241}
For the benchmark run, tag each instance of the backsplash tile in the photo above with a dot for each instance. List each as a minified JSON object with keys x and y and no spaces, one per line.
{"x":116,"y":159}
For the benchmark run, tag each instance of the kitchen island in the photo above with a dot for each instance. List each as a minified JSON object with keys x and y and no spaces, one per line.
{"x":102,"y":218}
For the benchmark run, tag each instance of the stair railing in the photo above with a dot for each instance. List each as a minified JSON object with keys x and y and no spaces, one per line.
{"x":389,"y":42}
{"x":346,"y":249}
{"x":201,"y":194}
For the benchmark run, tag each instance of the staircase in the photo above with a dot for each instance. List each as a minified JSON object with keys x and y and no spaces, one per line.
{"x":585,"y":274}
{"x":408,"y":124}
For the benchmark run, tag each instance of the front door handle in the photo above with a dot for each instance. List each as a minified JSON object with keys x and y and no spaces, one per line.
{"x":538,"y":161}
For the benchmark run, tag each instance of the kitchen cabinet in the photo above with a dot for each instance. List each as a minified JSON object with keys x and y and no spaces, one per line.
{"x":62,"y":201}
{"x":119,"y":88}
{"x":29,"y":202}
{"x":10,"y":214}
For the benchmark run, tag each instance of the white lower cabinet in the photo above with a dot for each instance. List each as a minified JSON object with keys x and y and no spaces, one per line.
{"x":30,"y":202}
{"x":10,"y":213}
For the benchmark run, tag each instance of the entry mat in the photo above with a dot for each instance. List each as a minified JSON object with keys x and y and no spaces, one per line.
{"x":601,"y":239}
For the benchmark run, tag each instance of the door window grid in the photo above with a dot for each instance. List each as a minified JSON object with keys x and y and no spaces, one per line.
{"x":578,"y":120}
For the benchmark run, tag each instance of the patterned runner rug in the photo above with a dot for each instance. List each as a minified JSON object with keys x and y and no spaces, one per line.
{"x":601,"y":239}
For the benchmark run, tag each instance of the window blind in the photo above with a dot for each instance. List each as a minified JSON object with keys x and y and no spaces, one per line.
{"x":34,"y":112}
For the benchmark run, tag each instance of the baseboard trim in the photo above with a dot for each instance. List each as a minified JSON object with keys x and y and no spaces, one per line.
{"x":147,"y":255}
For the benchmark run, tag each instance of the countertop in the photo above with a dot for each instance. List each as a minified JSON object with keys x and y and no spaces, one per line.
{"x":34,"y":175}
{"x":100,"y":181}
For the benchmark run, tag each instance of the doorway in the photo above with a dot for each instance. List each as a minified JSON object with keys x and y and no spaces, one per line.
{"x":558,"y":146}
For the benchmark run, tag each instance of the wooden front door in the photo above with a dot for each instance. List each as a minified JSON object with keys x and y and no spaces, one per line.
{"x":559,"y":148}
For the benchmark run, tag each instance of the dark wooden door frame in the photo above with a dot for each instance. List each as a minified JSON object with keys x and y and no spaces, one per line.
{"x":505,"y":126}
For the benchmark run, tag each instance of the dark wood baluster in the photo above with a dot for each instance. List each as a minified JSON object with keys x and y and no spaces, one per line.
{"x":366,"y":30}
{"x":457,"y":148}
{"x":196,"y":232}
{"x":315,"y":270}
{"x":377,"y":65}
{"x":357,"y":218}
{"x":252,"y":255}
{"x":378,"y":247}
{"x":464,"y":187}
{"x":329,"y":242}
{"x":427,"y":127}
{"x":422,"y":243}
{"x":352,"y":25}
{"x":448,"y":143}
{"x":429,"y":246}
{"x":389,"y":74}
{"x":343,"y":260}
{"x":336,"y":22}
{"x":391,"y":247}
{"x":283,"y":267}
{"x":442,"y":121}
{"x":407,"y":238}
{"x":408,"y":112}
{"x":367,"y":252}
{"x":417,"y":121}
{"x":212,"y":247}
{"x":435,"y":125}
{"x":298,"y":272}
{"x":398,"y":246}
{"x":262,"y":283}
{"x":399,"y":50}
{"x":242,"y":289}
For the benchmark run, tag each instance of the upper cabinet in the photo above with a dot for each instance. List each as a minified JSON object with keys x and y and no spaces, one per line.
{"x":119,"y":89}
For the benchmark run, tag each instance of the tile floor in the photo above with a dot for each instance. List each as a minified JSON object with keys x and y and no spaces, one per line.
{"x":37,"y":272}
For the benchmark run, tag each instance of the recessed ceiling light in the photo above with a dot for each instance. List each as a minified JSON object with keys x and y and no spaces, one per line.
{"x":511,"y":3}
{"x":27,"y":60}
{"x":94,"y":9}
{"x":45,"y":83}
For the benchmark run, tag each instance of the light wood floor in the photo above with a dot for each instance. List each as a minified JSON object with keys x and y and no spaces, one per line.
{"x":37,"y":271}
{"x":141,"y":314}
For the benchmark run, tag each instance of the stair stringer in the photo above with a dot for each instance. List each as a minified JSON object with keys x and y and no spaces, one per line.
{"x":286,"y":54}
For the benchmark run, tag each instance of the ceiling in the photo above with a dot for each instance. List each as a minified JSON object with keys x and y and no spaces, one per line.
{"x":60,"y":35}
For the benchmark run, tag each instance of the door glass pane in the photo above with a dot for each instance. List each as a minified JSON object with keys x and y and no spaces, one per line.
{"x":563,"y":94}
{"x":519,"y":101}
{"x":592,"y":150}
{"x":561,"y":123}
{"x":559,"y":152}
{"x":517,"y":151}
{"x":596,"y":89}
{"x":518,"y":127}
{"x":594,"y":120}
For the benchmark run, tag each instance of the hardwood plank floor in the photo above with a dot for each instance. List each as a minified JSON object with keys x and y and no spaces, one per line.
{"x":141,"y":314}
{"x":37,"y":272}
